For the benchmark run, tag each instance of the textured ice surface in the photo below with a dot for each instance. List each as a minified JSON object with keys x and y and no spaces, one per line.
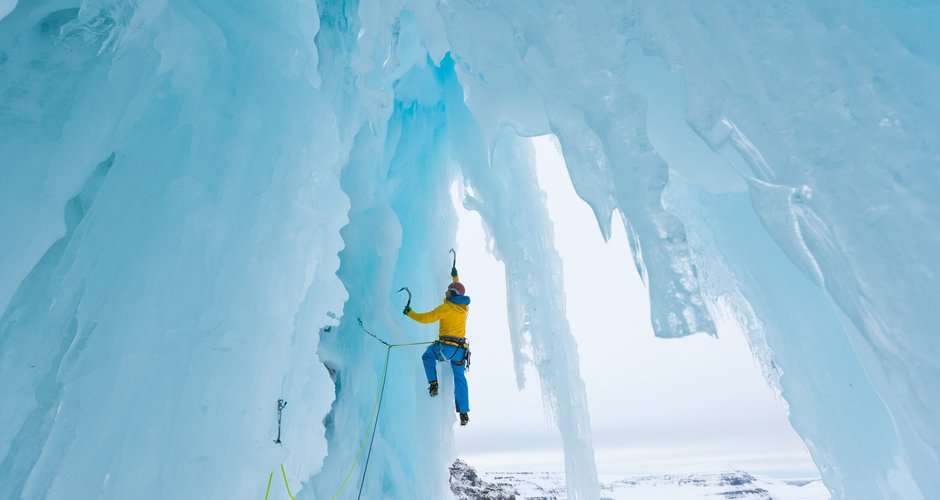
{"x":191,"y":191}
{"x":167,"y":262}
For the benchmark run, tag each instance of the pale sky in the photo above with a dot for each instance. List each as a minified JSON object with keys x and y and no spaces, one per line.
{"x":657,"y":405}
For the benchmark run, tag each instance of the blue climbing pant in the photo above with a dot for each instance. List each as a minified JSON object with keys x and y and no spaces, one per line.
{"x":452,"y":354}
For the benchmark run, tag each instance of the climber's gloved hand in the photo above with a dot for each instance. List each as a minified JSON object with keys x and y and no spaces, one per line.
{"x":406,"y":310}
{"x":453,"y":272}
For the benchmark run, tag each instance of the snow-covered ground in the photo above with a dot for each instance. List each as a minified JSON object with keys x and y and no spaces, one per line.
{"x":468,"y":484}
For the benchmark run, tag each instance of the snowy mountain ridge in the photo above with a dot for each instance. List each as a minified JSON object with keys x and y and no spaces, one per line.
{"x":468,"y":484}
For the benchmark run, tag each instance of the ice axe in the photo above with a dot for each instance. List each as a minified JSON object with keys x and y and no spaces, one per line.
{"x":405,"y":289}
{"x":455,"y":258}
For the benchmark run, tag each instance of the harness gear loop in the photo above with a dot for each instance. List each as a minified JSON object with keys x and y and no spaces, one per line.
{"x":458,"y":342}
{"x":466,"y":359}
{"x":454,"y":341}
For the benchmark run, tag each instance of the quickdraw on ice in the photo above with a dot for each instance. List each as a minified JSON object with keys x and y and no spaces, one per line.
{"x":280,"y":407}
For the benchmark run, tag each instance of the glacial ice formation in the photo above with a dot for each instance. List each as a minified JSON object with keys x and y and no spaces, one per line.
{"x":201,"y":199}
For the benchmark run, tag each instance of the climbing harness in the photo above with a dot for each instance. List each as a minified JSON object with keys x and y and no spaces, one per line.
{"x":280,"y":407}
{"x":459,"y":343}
{"x":439,"y":353}
{"x":454,"y":341}
{"x":376,"y":409}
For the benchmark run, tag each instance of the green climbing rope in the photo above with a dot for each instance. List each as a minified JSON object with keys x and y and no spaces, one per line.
{"x":373,"y":416}
{"x":388,"y":352}
{"x":267,"y":491}
{"x":284,"y":475}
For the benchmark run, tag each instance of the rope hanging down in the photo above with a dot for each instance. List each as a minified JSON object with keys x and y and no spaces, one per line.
{"x":373,"y":418}
{"x":284,"y":475}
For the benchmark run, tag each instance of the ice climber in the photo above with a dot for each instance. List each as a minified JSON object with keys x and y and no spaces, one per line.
{"x":451,"y":343}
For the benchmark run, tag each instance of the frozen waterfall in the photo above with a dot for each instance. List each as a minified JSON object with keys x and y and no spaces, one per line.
{"x":200,"y":200}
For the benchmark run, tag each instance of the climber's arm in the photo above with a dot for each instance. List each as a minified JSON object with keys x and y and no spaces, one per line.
{"x":428,"y":317}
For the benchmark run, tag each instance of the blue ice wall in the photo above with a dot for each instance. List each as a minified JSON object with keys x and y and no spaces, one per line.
{"x":168,"y":258}
{"x":200,"y":199}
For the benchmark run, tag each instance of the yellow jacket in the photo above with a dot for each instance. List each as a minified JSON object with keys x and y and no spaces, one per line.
{"x":452,"y":314}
